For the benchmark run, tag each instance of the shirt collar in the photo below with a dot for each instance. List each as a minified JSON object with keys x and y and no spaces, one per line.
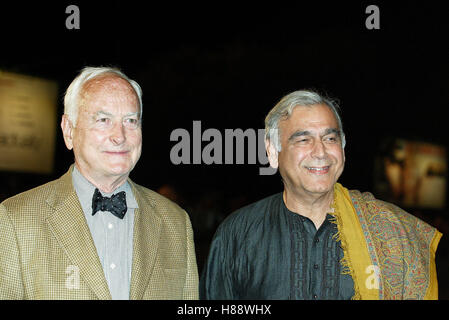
{"x":85,"y":190}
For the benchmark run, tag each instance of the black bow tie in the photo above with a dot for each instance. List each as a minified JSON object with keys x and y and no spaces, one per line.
{"x":115,"y":204}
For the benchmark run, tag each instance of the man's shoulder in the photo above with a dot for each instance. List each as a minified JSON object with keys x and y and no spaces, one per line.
{"x":389,"y":212}
{"x":31,"y":205}
{"x":367,"y":199}
{"x":157,"y":201}
{"x":33,"y":196}
{"x":252,"y":213}
{"x":258,"y":206}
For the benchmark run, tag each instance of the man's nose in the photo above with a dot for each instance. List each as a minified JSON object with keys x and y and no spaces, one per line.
{"x":319,"y":150}
{"x":118,"y":135}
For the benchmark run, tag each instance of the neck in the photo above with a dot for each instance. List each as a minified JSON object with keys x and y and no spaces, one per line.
{"x":104,"y":184}
{"x":313,"y":206}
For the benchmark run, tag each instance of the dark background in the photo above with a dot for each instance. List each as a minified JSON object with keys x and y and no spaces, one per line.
{"x":227,"y":64}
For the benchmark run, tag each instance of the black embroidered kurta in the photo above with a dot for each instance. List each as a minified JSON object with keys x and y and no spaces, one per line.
{"x":265,"y":251}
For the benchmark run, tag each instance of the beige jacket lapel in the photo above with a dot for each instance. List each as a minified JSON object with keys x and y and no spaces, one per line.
{"x":147,"y":232}
{"x":69,"y":226}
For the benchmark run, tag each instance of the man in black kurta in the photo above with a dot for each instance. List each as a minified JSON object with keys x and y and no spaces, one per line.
{"x":265,"y":251}
{"x":317,"y":239}
{"x":284,"y":247}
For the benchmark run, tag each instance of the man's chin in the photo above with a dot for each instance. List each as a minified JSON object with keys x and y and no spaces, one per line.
{"x":320,"y":188}
{"x":118,"y":171}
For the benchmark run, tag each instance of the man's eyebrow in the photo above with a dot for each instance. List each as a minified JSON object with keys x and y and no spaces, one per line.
{"x":131,"y":114}
{"x":104,"y":113}
{"x":299,"y":133}
{"x":332,"y":130}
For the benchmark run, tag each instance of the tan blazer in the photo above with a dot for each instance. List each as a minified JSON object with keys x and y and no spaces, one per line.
{"x":47,"y":251}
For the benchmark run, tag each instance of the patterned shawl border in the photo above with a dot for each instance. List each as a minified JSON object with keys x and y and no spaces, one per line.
{"x":355,"y":195}
{"x":345,"y":262}
{"x":417,"y":278}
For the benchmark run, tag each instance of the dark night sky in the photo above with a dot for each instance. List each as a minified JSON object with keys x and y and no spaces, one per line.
{"x":227,"y":64}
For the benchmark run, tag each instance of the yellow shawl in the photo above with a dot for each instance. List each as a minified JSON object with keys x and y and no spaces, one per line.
{"x":389,"y":253}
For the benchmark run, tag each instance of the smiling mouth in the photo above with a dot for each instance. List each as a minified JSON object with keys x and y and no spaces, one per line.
{"x":116,"y":152}
{"x":318,"y":170}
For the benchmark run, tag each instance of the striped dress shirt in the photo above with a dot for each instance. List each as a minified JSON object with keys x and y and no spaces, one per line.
{"x":113,"y":237}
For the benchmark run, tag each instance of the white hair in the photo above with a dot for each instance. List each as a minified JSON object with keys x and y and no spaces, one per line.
{"x":284,"y":108}
{"x":73,"y":93}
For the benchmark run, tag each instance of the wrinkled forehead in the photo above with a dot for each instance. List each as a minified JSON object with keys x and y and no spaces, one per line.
{"x":108,"y":86}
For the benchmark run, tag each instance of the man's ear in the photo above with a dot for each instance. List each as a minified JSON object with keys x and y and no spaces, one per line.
{"x":272,"y":153}
{"x":67,"y":131}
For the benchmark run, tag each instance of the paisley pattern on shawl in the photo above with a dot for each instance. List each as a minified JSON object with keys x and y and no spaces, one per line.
{"x":400,"y":245}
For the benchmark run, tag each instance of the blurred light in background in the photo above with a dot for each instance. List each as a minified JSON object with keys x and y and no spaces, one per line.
{"x":28,"y":110}
{"x":412,"y":174}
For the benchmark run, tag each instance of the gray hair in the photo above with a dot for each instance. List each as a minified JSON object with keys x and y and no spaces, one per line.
{"x":73,"y":93}
{"x":284,"y":108}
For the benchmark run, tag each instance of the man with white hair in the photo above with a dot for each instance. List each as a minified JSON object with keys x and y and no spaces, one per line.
{"x":93,"y":233}
{"x":317,"y":239}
